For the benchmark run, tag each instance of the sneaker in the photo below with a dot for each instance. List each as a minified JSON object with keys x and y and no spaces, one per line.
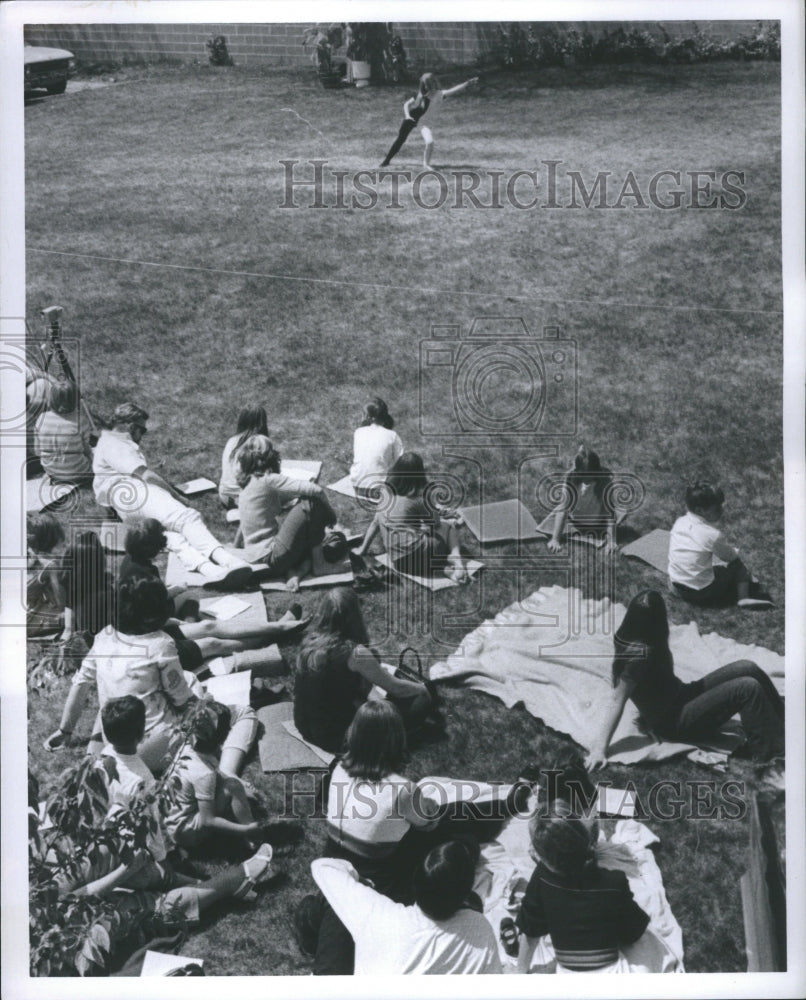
{"x":257,"y":869}
{"x":755,"y":603}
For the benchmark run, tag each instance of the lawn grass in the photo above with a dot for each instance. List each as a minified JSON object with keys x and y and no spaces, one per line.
{"x":676,"y":316}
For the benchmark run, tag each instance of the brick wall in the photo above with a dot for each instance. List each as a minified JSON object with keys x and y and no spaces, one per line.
{"x":432,"y":45}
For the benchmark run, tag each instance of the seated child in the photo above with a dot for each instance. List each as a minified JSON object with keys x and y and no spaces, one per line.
{"x":124,"y":725}
{"x":588,"y":911}
{"x":206,"y":797}
{"x":584,"y":503}
{"x":416,"y":538}
{"x":376,"y":447}
{"x":45,"y":598}
{"x":251,"y":420}
{"x":695,"y":542}
{"x":146,"y":897}
{"x":62,"y":439}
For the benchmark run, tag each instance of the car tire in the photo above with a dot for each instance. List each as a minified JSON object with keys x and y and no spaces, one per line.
{"x":57,"y":88}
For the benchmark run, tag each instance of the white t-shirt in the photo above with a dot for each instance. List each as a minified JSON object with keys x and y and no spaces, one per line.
{"x":393,"y":939}
{"x":375,"y":451}
{"x":692,"y":547}
{"x":115,"y":458}
{"x":368,"y":812}
{"x":146,"y":666}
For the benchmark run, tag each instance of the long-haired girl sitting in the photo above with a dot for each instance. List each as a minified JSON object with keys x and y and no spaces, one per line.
{"x":336,"y":670}
{"x":416,"y":538}
{"x":251,"y":420}
{"x":585,"y":502}
{"x":643,"y":672}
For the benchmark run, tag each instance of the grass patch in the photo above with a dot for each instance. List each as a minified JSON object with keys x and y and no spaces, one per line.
{"x":181,"y":169}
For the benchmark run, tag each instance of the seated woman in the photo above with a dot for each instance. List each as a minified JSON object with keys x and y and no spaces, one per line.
{"x":376,"y":448}
{"x":416,"y":538}
{"x":284,"y":545}
{"x":226,"y":646}
{"x":643,"y":672}
{"x":44,"y":593}
{"x":370,"y":809}
{"x":87,"y":589}
{"x":588,"y":911}
{"x":252,"y":420}
{"x":140,"y":658}
{"x":585,"y":500}
{"x":62,"y":438}
{"x":336,"y":670}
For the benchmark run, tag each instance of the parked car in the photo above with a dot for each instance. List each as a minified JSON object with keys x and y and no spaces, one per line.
{"x":47,"y":69}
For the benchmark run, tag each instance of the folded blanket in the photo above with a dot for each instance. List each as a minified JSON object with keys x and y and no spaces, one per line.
{"x":507,"y":860}
{"x":553,"y":652}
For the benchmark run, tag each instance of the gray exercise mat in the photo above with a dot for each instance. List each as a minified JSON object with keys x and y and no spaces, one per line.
{"x":502,"y":521}
{"x":652,"y":549}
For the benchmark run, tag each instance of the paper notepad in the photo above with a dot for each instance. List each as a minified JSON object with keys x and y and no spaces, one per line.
{"x":230,"y":689}
{"x":615,"y":801}
{"x":296,"y":469}
{"x":157,"y":963}
{"x":193,"y":486}
{"x":224,"y":608}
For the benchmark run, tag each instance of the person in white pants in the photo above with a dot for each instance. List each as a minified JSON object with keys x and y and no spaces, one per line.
{"x":123,"y":481}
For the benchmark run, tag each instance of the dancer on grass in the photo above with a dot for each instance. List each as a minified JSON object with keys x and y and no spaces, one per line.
{"x":428,"y":100}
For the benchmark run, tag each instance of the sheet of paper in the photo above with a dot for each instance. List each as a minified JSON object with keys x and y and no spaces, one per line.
{"x":224,"y":608}
{"x":615,"y":801}
{"x":193,"y":486}
{"x":157,"y":963}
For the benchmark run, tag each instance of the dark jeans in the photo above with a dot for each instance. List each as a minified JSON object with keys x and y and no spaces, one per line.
{"x":722,"y":591}
{"x":302,"y":529}
{"x":739,"y":687}
{"x":405,"y":129}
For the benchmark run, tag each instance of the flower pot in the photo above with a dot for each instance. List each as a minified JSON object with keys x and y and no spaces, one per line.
{"x":360,"y":73}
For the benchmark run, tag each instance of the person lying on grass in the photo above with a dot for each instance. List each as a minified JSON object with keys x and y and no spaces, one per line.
{"x":123,"y":481}
{"x":336,"y":670}
{"x":643,"y":672}
{"x":141,"y":659}
{"x":220,"y":647}
{"x":283,"y":543}
{"x":694,"y":544}
{"x":416,"y":538}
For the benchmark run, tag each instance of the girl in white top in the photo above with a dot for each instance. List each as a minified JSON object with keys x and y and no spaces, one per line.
{"x":251,"y":420}
{"x":376,"y":448}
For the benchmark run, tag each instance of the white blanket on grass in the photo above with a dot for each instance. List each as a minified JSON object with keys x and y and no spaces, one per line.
{"x":554,"y":651}
{"x":507,"y":859}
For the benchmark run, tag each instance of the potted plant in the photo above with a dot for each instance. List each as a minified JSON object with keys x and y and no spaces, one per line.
{"x":367,"y":45}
